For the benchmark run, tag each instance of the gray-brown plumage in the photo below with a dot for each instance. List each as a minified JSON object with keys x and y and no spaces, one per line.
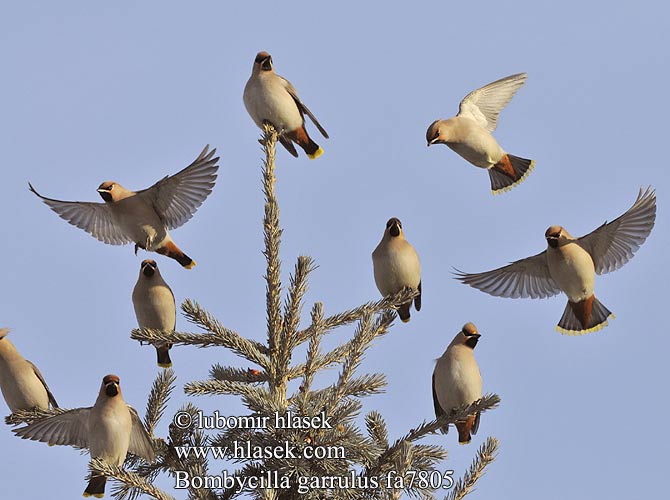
{"x":22,"y":384}
{"x":569,"y":265}
{"x":396,"y":266}
{"x":154,"y":305}
{"x":271,"y":98}
{"x":109,"y":429}
{"x":457,"y":381}
{"x":469,"y":133}
{"x":144,"y":217}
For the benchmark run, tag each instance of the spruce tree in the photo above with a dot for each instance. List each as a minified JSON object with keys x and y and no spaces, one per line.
{"x":368,"y":463}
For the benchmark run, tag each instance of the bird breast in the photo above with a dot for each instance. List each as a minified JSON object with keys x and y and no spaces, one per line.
{"x":110,"y":430}
{"x":396,"y":266}
{"x":266,"y":99}
{"x":20,"y":386}
{"x":571,"y":267}
{"x":154,"y":307}
{"x":457,"y":378}
{"x":139,"y":221}
{"x":473,"y":142}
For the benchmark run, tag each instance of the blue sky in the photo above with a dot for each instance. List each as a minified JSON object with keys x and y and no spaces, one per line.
{"x":132,"y":92}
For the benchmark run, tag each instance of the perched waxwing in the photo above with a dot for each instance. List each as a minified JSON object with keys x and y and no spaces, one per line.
{"x":271,"y":98}
{"x":396,"y":266}
{"x":469,"y":133}
{"x":155,"y":306}
{"x":569,"y":265}
{"x":457,"y":381}
{"x":22,"y":384}
{"x":144,"y":217}
{"x":110,"y":429}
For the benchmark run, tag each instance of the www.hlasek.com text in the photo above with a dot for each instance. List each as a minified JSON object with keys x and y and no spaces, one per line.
{"x":244,"y":450}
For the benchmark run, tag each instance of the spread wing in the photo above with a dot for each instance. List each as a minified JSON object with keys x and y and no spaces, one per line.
{"x":613,"y":244}
{"x":177,"y":197}
{"x":486,"y":103}
{"x":94,"y":218}
{"x":52,"y":399}
{"x":303,"y":109}
{"x":69,"y":428}
{"x":524,"y":278}
{"x":140,"y":442}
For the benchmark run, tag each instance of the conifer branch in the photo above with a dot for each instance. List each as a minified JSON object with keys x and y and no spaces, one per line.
{"x":232,"y":374}
{"x":485,"y":455}
{"x":313,"y":350}
{"x":98,"y":467}
{"x":293,"y":305}
{"x":28,"y":416}
{"x":226,"y":338}
{"x":353,"y":315}
{"x":272,"y":237}
{"x":158,"y":398}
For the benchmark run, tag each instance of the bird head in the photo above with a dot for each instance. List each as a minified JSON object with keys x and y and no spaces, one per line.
{"x":434,"y":133}
{"x":111,"y":385}
{"x":264,"y":61}
{"x":149,"y":267}
{"x":106,"y":190}
{"x":470,"y":335}
{"x":394,"y":227}
{"x":555,"y":236}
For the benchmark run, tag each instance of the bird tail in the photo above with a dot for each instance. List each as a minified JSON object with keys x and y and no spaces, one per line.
{"x":508,"y":172}
{"x":96,"y":487}
{"x":586,"y":316}
{"x":466,"y":427}
{"x":403,"y":311}
{"x":302,"y":139}
{"x":163,"y":354}
{"x":171,"y":250}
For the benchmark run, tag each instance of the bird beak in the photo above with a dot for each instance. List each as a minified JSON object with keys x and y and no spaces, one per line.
{"x":394,"y":230}
{"x":267,"y":64}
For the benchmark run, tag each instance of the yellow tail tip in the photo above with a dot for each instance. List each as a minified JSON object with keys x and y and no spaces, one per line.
{"x":596,"y":328}
{"x":404,"y":320}
{"x":96,"y":495}
{"x":191,"y":265}
{"x":165,"y":365}
{"x":316,"y":154}
{"x":516,"y":182}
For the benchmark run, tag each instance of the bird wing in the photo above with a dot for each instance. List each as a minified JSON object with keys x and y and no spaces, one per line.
{"x":177,"y":197}
{"x":484,"y":104}
{"x":140,"y":442}
{"x":52,"y":399}
{"x":613,"y":244}
{"x":524,"y":278}
{"x":94,"y":218}
{"x":439,"y":411}
{"x":69,"y":429}
{"x":303,"y":109}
